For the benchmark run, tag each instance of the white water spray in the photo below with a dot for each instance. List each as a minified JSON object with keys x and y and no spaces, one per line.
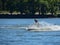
{"x":44,"y":26}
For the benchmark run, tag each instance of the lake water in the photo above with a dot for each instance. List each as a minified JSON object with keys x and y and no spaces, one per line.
{"x":25,"y":37}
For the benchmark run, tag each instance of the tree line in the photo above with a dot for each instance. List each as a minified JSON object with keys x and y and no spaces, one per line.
{"x":30,"y":6}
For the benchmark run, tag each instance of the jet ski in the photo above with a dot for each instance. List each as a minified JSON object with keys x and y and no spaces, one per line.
{"x":38,"y":27}
{"x":34,"y":27}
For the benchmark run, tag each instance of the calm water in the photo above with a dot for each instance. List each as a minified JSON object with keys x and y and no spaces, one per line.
{"x":24,"y":37}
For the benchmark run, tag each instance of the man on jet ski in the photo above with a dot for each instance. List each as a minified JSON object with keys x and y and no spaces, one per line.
{"x":36,"y":22}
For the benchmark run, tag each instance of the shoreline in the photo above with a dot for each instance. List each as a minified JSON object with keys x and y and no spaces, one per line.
{"x":27,"y":16}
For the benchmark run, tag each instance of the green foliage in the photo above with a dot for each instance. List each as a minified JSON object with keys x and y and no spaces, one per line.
{"x":30,"y":6}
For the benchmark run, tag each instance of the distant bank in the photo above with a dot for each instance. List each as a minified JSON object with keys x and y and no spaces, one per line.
{"x":28,"y":16}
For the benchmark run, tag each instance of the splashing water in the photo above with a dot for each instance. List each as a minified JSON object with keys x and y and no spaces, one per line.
{"x":45,"y":26}
{"x":49,"y":25}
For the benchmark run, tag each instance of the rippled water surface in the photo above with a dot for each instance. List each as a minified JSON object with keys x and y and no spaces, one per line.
{"x":25,"y":37}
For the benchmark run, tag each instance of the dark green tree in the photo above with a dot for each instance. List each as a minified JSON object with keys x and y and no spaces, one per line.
{"x":10,"y":6}
{"x":31,"y":7}
{"x":3,"y":4}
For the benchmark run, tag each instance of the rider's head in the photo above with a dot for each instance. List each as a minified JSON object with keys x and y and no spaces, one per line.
{"x":36,"y":20}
